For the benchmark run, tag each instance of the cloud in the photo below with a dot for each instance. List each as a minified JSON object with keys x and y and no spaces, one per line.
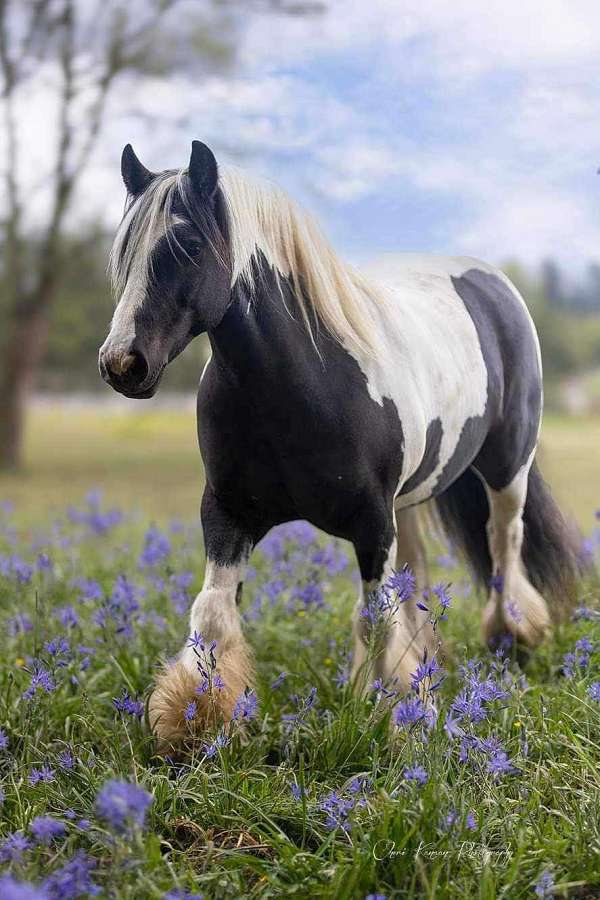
{"x":479,"y":122}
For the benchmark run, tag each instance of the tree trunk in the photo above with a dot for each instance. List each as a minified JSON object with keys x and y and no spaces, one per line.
{"x":18,"y":367}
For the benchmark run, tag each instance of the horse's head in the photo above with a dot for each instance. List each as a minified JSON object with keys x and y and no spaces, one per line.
{"x":170,"y":269}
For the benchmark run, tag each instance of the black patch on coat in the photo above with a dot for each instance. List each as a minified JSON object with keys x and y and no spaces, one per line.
{"x":431,"y":457}
{"x":514,"y":405}
{"x":287,"y":433}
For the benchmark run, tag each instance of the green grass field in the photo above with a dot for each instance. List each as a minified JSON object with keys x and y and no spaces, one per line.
{"x":316,"y":792}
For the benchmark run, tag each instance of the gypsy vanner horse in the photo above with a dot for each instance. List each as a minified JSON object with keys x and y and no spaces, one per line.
{"x":338,"y":398}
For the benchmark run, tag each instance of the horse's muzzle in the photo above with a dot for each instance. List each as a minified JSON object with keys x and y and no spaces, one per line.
{"x":127,"y":370}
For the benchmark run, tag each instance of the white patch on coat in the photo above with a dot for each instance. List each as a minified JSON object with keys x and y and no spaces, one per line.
{"x":428,"y":360}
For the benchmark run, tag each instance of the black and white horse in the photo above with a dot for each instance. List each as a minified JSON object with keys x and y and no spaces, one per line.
{"x":334,"y":397}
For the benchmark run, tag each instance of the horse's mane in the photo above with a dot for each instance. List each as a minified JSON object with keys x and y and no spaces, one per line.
{"x":261,"y":219}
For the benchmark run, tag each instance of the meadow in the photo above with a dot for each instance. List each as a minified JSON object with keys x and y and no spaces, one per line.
{"x":311,"y":791}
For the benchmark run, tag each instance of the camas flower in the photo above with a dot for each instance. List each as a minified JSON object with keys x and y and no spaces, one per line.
{"x":416,"y":774}
{"x":11,"y":889}
{"x":190,"y":711}
{"x":246,"y":706}
{"x":424,"y":671}
{"x":545,"y":886}
{"x":44,"y":774}
{"x":219,"y":742}
{"x":337,"y":810}
{"x":73,"y":880}
{"x":403,"y":584}
{"x":123,"y":804}
{"x":13,"y":847}
{"x":41,"y":680}
{"x":594,"y":690}
{"x":157,"y":548}
{"x":45,"y":829}
{"x":125,"y":704}
{"x":409,"y":711}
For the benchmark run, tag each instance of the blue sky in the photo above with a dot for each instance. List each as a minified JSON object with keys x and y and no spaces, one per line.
{"x":433,"y":126}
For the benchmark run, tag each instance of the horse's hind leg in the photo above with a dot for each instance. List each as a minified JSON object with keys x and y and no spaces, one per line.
{"x":400,"y":649}
{"x":514,"y":607}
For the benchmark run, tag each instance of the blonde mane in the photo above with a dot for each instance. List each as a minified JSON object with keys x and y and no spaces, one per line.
{"x":261,"y":219}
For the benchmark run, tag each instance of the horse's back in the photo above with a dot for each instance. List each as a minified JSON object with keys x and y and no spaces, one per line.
{"x":467,"y":358}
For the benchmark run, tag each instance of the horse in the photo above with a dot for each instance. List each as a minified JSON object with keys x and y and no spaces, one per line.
{"x":341,"y":397}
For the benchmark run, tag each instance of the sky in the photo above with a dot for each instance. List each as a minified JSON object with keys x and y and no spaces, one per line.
{"x":428,"y":126}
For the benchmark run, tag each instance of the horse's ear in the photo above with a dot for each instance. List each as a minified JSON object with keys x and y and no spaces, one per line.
{"x":203,"y":170}
{"x":135,"y":175}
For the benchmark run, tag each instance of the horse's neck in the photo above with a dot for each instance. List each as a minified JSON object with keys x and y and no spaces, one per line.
{"x":263,"y":333}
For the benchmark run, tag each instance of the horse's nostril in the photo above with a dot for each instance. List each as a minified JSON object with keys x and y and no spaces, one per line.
{"x":122,"y":364}
{"x":125,"y":370}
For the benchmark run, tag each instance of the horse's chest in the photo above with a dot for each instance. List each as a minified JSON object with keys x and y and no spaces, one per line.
{"x":283,"y":454}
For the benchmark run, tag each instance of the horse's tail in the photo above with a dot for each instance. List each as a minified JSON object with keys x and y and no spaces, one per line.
{"x":551,"y":545}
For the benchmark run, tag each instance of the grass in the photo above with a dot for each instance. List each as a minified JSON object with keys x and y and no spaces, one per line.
{"x":256,"y":817}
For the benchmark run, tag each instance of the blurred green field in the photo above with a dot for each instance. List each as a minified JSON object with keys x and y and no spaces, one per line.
{"x":149,"y":461}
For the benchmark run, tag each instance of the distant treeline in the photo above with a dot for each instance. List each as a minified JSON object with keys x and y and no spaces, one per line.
{"x":566,"y":312}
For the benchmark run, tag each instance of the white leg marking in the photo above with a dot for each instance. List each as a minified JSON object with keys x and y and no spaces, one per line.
{"x":215,"y":617}
{"x":514,"y":605}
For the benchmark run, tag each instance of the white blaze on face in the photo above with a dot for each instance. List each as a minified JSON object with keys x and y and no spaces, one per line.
{"x":144,"y":224}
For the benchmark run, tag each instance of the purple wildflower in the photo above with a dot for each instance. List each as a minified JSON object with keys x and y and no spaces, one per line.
{"x":57,"y":647}
{"x":342,"y":676}
{"x":246,"y":706}
{"x":424,"y":671}
{"x":43,"y":563}
{"x":219,"y":742}
{"x":545,"y":885}
{"x":3,"y":739}
{"x":67,"y":616}
{"x":66,"y":760}
{"x":45,"y":829}
{"x":126,"y":704}
{"x":497,"y":583}
{"x":278,"y":681}
{"x":196,"y":641}
{"x":311,"y":595}
{"x":44,"y":775}
{"x":11,"y":889}
{"x":73,"y":880}
{"x":514,"y":611}
{"x":123,"y":804}
{"x":157,"y":548}
{"x":409,"y":711}
{"x":442,"y":592}
{"x":403,"y":584}
{"x":13,"y":847}
{"x":416,"y":774}
{"x":594,"y":690}
{"x":337,"y":811}
{"x":19,"y":624}
{"x":42,"y":680}
{"x":88,"y":589}
{"x":190,"y":711}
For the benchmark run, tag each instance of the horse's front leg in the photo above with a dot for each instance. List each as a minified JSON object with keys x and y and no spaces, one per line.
{"x":215,"y":666}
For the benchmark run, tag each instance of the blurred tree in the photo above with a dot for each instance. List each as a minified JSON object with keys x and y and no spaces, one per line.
{"x":82,"y":48}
